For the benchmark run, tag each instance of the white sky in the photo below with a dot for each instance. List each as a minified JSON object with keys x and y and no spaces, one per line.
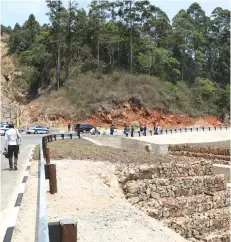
{"x":13,"y":11}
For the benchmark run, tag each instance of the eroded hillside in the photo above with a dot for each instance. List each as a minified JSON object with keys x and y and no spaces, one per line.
{"x":98,"y":106}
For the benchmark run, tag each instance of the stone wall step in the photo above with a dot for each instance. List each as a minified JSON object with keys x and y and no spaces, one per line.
{"x":171,"y":169}
{"x":182,"y":186}
{"x":164,"y":208}
{"x":201,"y":223}
{"x":216,"y":236}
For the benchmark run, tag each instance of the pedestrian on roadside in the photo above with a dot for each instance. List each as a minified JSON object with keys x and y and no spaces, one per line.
{"x":69,"y":127}
{"x":111,"y":130}
{"x":161,"y":130}
{"x":132,"y":131}
{"x":78,"y":133}
{"x":12,"y":142}
{"x":145,"y":130}
{"x":126,"y":131}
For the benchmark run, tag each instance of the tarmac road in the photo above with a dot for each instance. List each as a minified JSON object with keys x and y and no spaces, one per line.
{"x":11,"y":180}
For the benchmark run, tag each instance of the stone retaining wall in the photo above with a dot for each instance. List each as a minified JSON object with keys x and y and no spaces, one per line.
{"x":188,"y":196}
{"x":199,"y":149}
{"x":220,"y":159}
{"x":169,"y":169}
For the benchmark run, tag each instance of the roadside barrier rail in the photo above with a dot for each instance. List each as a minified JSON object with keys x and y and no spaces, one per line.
{"x":64,"y":230}
{"x":182,"y":130}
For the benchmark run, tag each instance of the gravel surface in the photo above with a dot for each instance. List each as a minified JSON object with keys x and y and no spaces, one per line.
{"x":100,"y":210}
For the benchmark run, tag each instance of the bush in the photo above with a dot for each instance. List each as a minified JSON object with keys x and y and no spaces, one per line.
{"x":86,"y":93}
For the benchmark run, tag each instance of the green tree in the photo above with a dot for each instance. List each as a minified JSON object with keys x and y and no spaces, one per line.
{"x":56,"y":16}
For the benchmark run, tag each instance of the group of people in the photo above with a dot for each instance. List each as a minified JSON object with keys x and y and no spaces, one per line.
{"x":12,"y":141}
{"x":143,"y":130}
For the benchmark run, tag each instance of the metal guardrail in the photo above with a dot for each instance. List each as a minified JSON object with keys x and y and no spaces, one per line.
{"x":42,"y":225}
{"x":42,"y":219}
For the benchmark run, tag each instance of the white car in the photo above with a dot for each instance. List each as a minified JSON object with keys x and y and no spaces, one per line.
{"x":37,"y":130}
{"x":3,"y":128}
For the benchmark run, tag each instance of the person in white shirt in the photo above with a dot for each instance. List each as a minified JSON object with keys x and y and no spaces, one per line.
{"x":12,"y":141}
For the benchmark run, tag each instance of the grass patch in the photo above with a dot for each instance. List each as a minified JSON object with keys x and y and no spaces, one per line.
{"x":84,"y":150}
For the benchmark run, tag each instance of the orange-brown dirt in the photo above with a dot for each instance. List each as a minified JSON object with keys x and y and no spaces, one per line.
{"x":168,"y":120}
{"x":127,"y":113}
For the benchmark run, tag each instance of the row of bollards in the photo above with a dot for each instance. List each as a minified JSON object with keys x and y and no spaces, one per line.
{"x":64,"y":230}
{"x":50,"y":168}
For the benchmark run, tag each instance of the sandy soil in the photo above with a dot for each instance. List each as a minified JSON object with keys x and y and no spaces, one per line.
{"x":100,"y":210}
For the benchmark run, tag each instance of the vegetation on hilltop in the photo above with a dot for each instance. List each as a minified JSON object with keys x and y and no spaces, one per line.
{"x":183,"y":66}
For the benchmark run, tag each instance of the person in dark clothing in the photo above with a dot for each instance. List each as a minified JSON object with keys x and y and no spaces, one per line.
{"x":111,"y":130}
{"x":69,"y":127}
{"x":141,"y":129}
{"x":132,"y":131}
{"x":78,"y":132}
{"x":155,"y":129}
{"x":12,"y":142}
{"x":126,"y":131}
{"x":145,"y":130}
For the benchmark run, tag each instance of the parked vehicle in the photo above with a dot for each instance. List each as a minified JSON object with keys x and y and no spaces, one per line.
{"x":82,"y":128}
{"x":3,"y":128}
{"x":37,"y":130}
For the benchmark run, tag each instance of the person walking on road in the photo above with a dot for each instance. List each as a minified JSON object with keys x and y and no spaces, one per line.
{"x":69,"y":127}
{"x":145,"y":130}
{"x":111,"y":130}
{"x":12,"y":142}
{"x":132,"y":131}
